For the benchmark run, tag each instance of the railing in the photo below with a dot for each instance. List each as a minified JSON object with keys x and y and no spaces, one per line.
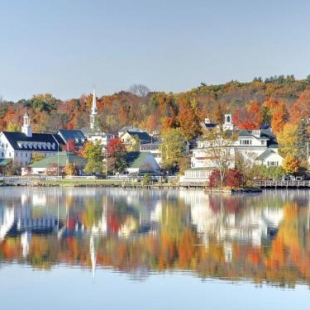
{"x":282,"y":184}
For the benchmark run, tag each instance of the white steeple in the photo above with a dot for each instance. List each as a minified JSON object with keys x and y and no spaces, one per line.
{"x":26,"y":129}
{"x":94,"y":111}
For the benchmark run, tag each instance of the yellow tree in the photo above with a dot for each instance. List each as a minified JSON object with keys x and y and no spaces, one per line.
{"x":287,"y":140}
{"x":290,"y":164}
{"x":70,"y":169}
{"x":172,"y":148}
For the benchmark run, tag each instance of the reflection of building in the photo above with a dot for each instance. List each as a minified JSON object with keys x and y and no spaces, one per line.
{"x":17,"y":221}
{"x":6,"y":221}
{"x":247,"y":225}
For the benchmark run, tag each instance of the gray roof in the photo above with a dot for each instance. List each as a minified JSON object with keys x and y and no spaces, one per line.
{"x":143,"y":136}
{"x":76,"y":135}
{"x":265,"y":154}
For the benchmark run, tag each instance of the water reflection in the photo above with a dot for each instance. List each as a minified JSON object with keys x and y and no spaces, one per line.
{"x":263,"y":238}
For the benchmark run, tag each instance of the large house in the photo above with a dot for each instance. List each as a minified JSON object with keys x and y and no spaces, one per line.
{"x":258,"y":146}
{"x":20,"y":147}
{"x":253,"y":146}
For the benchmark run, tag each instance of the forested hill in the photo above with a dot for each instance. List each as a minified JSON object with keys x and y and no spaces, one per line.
{"x":274,"y":101}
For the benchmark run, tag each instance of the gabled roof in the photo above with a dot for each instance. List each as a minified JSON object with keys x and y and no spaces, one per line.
{"x":136,"y":159}
{"x":4,"y":162}
{"x":76,"y":135}
{"x":265,"y":134}
{"x":266,"y":154}
{"x":17,"y":139}
{"x":139,"y":159}
{"x":208,"y":125}
{"x":143,"y":136}
{"x":62,"y":158}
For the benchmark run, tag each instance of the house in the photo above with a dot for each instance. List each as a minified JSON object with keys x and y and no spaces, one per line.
{"x":258,"y":146}
{"x":19,"y":147}
{"x":140,"y":163}
{"x":153,"y":148}
{"x":269,"y":158}
{"x":254,"y":146}
{"x":54,"y":164}
{"x":132,"y":138}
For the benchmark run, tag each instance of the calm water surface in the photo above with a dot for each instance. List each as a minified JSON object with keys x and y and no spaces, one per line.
{"x":72,"y":248}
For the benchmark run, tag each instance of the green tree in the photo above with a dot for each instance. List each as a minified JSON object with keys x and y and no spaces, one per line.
{"x":302,"y":141}
{"x":94,"y":155}
{"x":172,"y":148}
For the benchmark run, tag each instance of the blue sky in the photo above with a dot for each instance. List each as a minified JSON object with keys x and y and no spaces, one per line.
{"x":66,"y":47}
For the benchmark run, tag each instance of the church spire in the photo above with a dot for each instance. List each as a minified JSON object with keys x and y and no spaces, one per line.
{"x":94,"y":111}
{"x":26,"y":129}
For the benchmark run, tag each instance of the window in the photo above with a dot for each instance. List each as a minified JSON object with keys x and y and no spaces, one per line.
{"x":246,"y":142}
{"x":272,"y":163}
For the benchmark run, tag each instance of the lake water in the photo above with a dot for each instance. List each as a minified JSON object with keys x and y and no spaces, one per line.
{"x":85,"y":248}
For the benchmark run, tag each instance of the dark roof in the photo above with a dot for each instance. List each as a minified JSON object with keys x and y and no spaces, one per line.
{"x":16,"y":139}
{"x":76,"y":135}
{"x":143,"y":136}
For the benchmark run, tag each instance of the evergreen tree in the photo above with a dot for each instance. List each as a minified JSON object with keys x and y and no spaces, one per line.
{"x":302,"y":141}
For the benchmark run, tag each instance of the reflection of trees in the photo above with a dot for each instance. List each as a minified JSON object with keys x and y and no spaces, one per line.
{"x":92,"y":212}
{"x":283,"y":260}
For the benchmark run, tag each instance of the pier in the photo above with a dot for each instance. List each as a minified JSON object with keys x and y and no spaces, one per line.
{"x":270,"y":184}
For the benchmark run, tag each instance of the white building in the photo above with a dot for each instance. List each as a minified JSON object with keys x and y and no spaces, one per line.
{"x":20,"y":146}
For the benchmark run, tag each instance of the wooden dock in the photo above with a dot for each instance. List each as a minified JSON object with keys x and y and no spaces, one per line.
{"x":282,"y":184}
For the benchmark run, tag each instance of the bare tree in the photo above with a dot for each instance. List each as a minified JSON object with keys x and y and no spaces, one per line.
{"x":139,"y":90}
{"x":218,"y":147}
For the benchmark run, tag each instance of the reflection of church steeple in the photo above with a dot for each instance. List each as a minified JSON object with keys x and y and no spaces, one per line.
{"x":94,"y":111}
{"x":93,"y":254}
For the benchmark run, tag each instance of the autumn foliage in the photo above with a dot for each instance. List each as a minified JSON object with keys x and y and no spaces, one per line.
{"x":233,"y":178}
